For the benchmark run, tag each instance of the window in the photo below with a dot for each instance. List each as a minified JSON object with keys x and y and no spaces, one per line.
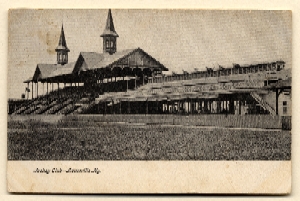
{"x":284,"y":107}
{"x":107,"y":43}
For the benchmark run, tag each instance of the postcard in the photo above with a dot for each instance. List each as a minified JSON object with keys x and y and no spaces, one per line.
{"x":149,"y":101}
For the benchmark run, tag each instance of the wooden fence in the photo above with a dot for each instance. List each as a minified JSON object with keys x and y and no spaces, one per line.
{"x":235,"y":121}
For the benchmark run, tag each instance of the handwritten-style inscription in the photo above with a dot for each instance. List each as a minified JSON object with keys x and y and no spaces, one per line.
{"x":69,"y":170}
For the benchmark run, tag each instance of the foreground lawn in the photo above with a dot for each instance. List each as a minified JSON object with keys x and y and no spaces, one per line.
{"x":73,"y":140}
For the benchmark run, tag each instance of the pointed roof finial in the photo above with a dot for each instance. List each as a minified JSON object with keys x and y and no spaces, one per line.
{"x":109,"y":28}
{"x":62,"y":44}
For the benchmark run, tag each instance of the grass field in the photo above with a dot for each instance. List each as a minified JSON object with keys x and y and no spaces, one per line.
{"x":89,"y":140}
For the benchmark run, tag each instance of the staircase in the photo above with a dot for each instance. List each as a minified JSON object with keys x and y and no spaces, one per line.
{"x":263,"y":103}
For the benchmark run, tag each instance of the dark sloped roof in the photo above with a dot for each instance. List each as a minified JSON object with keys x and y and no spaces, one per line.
{"x":86,"y":61}
{"x":63,"y":69}
{"x":109,"y":28}
{"x":44,"y":71}
{"x":95,"y":60}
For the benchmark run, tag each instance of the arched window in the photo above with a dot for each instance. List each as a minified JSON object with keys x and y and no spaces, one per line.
{"x":107,"y":43}
{"x":111,"y":44}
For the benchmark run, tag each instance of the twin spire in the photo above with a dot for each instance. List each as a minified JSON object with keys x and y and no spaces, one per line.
{"x":109,"y":41}
{"x":62,"y":49}
{"x":109,"y":36}
{"x":109,"y":28}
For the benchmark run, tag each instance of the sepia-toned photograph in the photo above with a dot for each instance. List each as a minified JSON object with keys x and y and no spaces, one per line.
{"x":148,"y":85}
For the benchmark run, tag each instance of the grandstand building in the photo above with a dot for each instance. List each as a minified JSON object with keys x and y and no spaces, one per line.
{"x":133,"y":82}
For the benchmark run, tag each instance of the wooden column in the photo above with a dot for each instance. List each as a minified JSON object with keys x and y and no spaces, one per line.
{"x":168,"y":107}
{"x":27,"y":90}
{"x":58,"y":90}
{"x":143,"y":79}
{"x":204,"y":105}
{"x":147,"y":106}
{"x":200,"y":106}
{"x":231,"y":105}
{"x":128,"y":106}
{"x":37,"y":89}
{"x":188,"y":106}
{"x":218,"y":106}
{"x":277,"y":97}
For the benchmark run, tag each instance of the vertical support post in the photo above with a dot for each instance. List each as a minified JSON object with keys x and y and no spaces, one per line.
{"x":231,"y":106}
{"x":218,"y":106}
{"x":27,"y":90}
{"x":277,"y":97}
{"x":200,"y":106}
{"x":240,"y":107}
{"x":168,"y":107}
{"x":147,"y":106}
{"x":58,"y":89}
{"x":143,"y":79}
{"x":128,"y":107}
{"x":37,"y":89}
{"x":47,"y":91}
{"x":188,"y":106}
{"x":192,"y":106}
{"x":173,"y":107}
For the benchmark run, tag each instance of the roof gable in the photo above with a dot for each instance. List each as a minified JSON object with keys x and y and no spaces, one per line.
{"x":92,"y":60}
{"x":43,"y":71}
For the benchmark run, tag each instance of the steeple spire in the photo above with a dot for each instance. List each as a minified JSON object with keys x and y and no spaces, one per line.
{"x":109,"y":35}
{"x":62,"y":49}
{"x":109,"y":28}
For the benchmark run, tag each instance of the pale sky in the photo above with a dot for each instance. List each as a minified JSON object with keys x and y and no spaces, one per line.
{"x":179,"y":39}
